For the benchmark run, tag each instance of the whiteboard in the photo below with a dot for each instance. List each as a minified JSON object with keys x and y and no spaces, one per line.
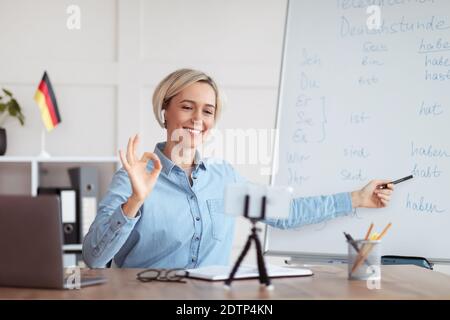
{"x":357,"y":104}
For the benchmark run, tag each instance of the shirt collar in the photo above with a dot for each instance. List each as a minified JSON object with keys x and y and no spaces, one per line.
{"x":167,"y":164}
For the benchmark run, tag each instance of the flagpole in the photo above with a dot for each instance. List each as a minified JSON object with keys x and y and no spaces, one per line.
{"x":43,"y":154}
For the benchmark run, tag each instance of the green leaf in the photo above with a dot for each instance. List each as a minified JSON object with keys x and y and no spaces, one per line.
{"x":12,"y":112}
{"x":15,"y":104}
{"x":8,"y":93}
{"x":17,"y":107}
{"x":13,"y":107}
{"x":22,"y":120}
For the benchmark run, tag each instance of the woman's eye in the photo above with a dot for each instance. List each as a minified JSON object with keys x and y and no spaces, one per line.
{"x":208,"y":112}
{"x":186,"y":107}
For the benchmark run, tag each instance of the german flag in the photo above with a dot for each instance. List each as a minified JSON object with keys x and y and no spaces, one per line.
{"x":45,"y":98}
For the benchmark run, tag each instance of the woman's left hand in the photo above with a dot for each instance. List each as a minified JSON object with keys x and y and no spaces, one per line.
{"x":372,"y":197}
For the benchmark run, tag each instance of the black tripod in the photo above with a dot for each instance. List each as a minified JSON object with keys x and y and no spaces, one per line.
{"x":263,"y":276}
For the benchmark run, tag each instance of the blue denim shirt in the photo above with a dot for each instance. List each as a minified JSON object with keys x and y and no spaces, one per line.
{"x":183,"y":226}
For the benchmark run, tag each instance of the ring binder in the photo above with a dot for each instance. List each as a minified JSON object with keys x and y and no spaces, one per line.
{"x":69,"y":217}
{"x":85,"y":180}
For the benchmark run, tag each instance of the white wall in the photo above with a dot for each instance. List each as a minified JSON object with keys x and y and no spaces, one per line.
{"x":104,"y":74}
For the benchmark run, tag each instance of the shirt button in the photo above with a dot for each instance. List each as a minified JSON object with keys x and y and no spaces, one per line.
{"x":193,"y":259}
{"x":192,"y":197}
{"x":197,"y":238}
{"x":197,"y":218}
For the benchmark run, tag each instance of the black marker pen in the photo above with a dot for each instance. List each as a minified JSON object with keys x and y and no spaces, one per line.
{"x":384,"y":186}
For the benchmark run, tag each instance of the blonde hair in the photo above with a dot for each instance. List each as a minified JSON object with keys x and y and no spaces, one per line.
{"x":174,"y":83}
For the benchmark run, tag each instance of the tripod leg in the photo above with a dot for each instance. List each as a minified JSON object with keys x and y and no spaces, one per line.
{"x":263,"y":276}
{"x":238,"y":262}
{"x":258,"y":261}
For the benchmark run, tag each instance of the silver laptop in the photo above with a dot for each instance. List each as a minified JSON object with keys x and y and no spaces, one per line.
{"x":31,"y":248}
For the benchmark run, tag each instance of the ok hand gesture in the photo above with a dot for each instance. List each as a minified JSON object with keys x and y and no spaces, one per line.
{"x":142,"y":180}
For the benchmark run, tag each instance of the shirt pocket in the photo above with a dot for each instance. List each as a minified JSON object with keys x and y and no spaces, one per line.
{"x":220,"y":222}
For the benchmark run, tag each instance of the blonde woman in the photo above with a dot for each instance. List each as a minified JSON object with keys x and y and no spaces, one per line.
{"x":165,"y":209}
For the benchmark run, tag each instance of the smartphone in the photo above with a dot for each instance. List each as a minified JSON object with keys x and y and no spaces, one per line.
{"x":277,"y":203}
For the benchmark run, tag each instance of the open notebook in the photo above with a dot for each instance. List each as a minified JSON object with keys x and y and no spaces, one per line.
{"x":245,"y":272}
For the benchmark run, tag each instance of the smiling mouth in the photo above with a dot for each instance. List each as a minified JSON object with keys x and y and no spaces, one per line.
{"x":193,"y":131}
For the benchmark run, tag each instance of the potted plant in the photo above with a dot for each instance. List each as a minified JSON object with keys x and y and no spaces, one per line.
{"x":8,"y":107}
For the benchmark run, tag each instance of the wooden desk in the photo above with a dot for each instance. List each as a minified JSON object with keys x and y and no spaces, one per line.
{"x":328,"y":282}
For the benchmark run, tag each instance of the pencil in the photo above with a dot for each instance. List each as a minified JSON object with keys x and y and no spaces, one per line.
{"x":368,"y":232}
{"x":384,"y":231}
{"x":364,"y":252}
{"x":364,"y":248}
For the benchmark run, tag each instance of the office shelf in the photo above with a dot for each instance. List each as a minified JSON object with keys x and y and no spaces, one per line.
{"x":72,"y":247}
{"x":35,"y":161}
{"x":72,"y":252}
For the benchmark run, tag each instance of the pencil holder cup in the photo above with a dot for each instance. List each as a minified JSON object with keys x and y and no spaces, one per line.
{"x":364,"y":259}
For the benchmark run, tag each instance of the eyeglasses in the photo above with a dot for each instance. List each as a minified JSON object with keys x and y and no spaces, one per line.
{"x":168,"y":275}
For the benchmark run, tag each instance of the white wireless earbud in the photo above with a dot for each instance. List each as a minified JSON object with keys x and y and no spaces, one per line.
{"x":163,"y":114}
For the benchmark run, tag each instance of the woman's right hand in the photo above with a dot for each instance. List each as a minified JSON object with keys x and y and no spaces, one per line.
{"x":142,"y":181}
